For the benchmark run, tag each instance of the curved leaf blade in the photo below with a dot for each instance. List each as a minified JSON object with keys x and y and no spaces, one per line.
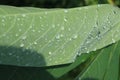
{"x":55,"y":37}
{"x":105,"y":66}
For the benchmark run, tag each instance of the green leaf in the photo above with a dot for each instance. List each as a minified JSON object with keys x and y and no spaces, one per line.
{"x":105,"y":66}
{"x":42,"y":37}
{"x":61,"y":70}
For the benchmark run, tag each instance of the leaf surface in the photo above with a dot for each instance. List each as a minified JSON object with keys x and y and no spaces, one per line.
{"x":42,"y":37}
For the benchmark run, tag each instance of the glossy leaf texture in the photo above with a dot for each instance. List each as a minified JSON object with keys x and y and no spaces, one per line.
{"x":42,"y":37}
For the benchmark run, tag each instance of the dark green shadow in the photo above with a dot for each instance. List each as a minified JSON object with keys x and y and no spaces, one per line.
{"x":25,"y":61}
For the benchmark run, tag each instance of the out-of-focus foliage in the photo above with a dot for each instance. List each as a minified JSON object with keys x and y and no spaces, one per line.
{"x":57,"y":3}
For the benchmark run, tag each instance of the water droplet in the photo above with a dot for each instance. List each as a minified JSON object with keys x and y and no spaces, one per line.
{"x":58,"y":36}
{"x":65,"y":10}
{"x":117,"y":30}
{"x":21,"y":24}
{"x":69,"y":29}
{"x":104,"y":27}
{"x":99,"y":5}
{"x":18,"y":19}
{"x":10,"y":54}
{"x":62,"y":28}
{"x":16,"y":34}
{"x":3,"y":20}
{"x":53,"y":26}
{"x":50,"y":53}
{"x":20,"y":30}
{"x":21,"y":45}
{"x":87,"y":42}
{"x":50,"y":59}
{"x":113,"y":40}
{"x":61,"y":35}
{"x":94,"y":49}
{"x":88,"y":51}
{"x":65,"y":19}
{"x":70,"y":39}
{"x":35,"y":42}
{"x":33,"y":30}
{"x":75,"y":36}
{"x":23,"y":15}
{"x":46,"y":13}
{"x":24,"y":37}
{"x":39,"y":31}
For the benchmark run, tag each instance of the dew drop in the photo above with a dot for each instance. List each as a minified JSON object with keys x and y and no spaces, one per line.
{"x":18,"y":19}
{"x":53,"y":26}
{"x":23,"y":15}
{"x":50,"y":53}
{"x":24,"y":37}
{"x":35,"y":42}
{"x":10,"y":54}
{"x":39,"y":31}
{"x":50,"y":59}
{"x":99,"y":5}
{"x":65,"y":19}
{"x":113,"y":40}
{"x":75,"y":36}
{"x":21,"y":24}
{"x":58,"y":37}
{"x":3,"y":20}
{"x":16,"y":34}
{"x":104,"y":27}
{"x":40,"y":17}
{"x":69,"y":29}
{"x":20,"y":30}
{"x":22,"y":45}
{"x":62,"y":28}
{"x":88,"y":42}
{"x":70,"y":39}
{"x":94,"y":49}
{"x":46,"y":13}
{"x":33,"y":30}
{"x":61,"y":35}
{"x":65,"y":10}
{"x":88,"y":51}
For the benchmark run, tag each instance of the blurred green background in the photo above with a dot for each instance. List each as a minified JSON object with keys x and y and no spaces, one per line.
{"x":57,"y":3}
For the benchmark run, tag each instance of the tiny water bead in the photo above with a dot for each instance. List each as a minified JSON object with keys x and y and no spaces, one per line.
{"x":10,"y":54}
{"x":75,"y":36}
{"x":3,"y":20}
{"x":65,"y":19}
{"x":94,"y":49}
{"x":62,"y":28}
{"x":21,"y":45}
{"x":16,"y":35}
{"x":35,"y":42}
{"x":113,"y":40}
{"x":53,"y":26}
{"x":46,"y":13}
{"x":69,"y":29}
{"x":23,"y":15}
{"x":58,"y":36}
{"x":33,"y":30}
{"x":20,"y":30}
{"x":65,"y":10}
{"x":50,"y":53}
{"x":18,"y":19}
{"x":24,"y":37}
